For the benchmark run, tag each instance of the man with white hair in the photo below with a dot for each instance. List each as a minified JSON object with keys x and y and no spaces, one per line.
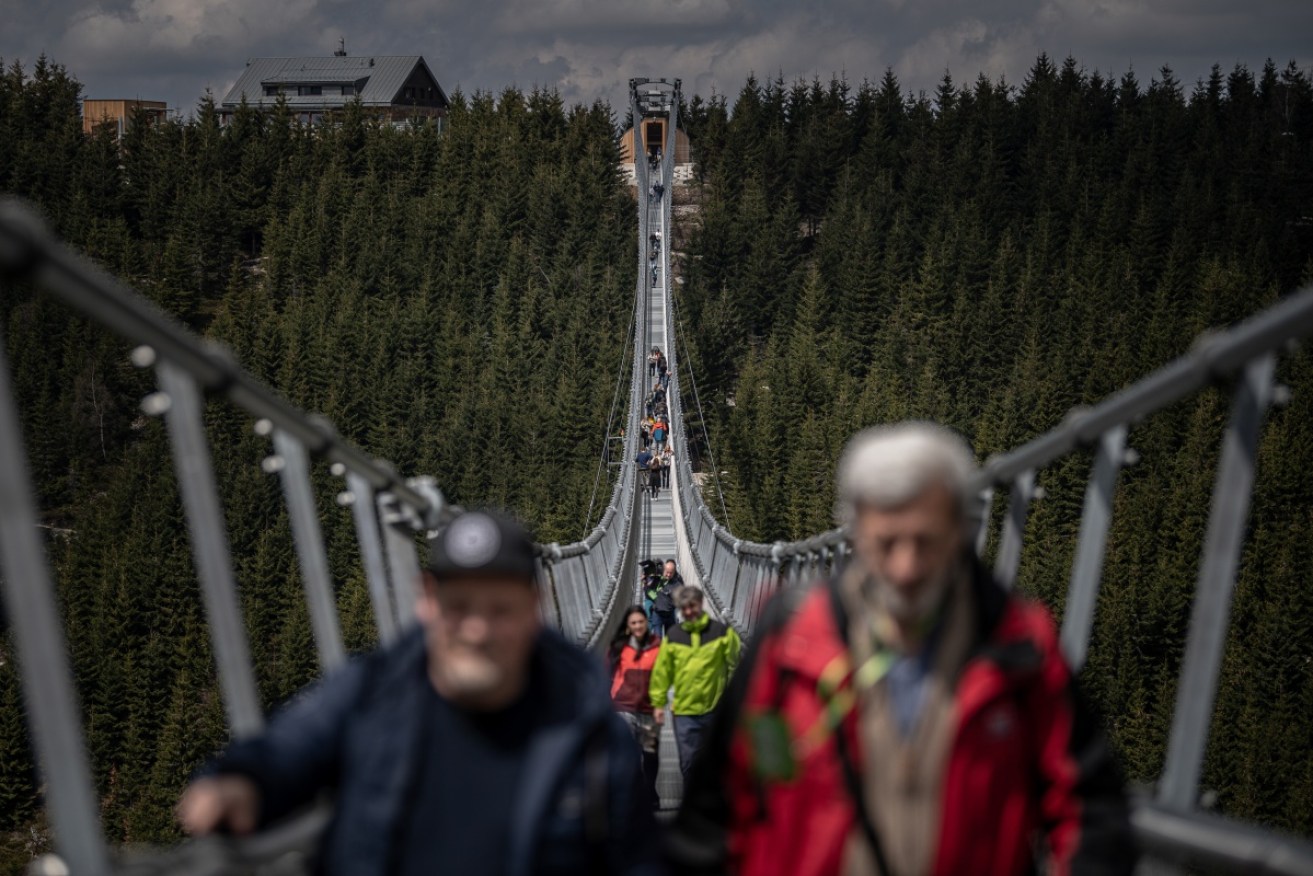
{"x":908,"y":716}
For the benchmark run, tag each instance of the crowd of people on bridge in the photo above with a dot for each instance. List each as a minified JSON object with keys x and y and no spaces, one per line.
{"x":655,"y":456}
{"x":905,"y":716}
{"x":654,"y":463}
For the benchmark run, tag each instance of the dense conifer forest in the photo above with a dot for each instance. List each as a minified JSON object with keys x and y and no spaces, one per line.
{"x":457,"y":303}
{"x":988,"y":255}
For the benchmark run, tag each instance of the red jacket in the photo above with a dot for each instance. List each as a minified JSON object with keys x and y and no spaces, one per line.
{"x":1026,"y":759}
{"x":631,"y":671}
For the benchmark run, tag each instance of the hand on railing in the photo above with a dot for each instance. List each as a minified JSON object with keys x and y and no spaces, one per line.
{"x":286,"y":849}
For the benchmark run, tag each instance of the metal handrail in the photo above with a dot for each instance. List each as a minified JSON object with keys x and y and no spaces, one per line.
{"x":28,"y":250}
{"x":1209,"y":843}
{"x":1214,"y":357}
{"x":285,"y":849}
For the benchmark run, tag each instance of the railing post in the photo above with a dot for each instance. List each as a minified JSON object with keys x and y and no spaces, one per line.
{"x":547,"y":608}
{"x":306,"y":533}
{"x":1197,"y":688}
{"x":1020,"y":493}
{"x":738,"y":569}
{"x":403,"y":562}
{"x":582,"y":593}
{"x":715,"y":551}
{"x":209,"y":543}
{"x":1087,"y":570}
{"x":364,"y":512}
{"x":43,"y":657}
{"x":563,"y":575}
{"x":841,"y":554}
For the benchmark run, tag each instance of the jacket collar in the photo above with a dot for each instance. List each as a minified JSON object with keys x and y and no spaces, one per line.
{"x":1005,"y":655}
{"x":649,"y":643}
{"x":698,"y":624}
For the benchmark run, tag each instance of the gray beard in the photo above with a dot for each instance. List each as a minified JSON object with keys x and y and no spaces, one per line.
{"x":913,"y":611}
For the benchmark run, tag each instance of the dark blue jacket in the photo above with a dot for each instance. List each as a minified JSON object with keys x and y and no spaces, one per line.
{"x":357,"y":733}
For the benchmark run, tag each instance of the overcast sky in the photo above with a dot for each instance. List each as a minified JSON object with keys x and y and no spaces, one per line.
{"x":174,"y":49}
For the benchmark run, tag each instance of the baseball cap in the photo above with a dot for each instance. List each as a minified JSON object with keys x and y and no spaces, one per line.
{"x":480,"y":544}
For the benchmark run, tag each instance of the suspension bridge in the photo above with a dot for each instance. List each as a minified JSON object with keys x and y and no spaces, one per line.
{"x":588,"y":583}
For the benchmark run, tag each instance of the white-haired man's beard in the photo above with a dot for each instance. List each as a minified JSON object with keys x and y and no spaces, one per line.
{"x":916,"y":604}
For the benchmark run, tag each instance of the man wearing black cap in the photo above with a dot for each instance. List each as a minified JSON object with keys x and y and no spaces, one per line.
{"x":481,"y":743}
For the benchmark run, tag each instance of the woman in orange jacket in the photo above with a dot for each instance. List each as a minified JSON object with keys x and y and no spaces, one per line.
{"x":633,"y":653}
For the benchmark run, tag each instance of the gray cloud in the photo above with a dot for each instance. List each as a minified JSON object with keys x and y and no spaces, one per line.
{"x":175,"y":49}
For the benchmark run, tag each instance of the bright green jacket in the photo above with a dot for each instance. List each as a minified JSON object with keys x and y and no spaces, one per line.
{"x":697,"y":659}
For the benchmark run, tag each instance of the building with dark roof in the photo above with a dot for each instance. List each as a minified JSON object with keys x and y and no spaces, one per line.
{"x":400,"y":90}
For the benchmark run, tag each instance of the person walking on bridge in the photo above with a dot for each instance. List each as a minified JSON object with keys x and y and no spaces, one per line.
{"x":697,"y":659}
{"x":909,"y":716}
{"x":654,"y":475}
{"x":633,"y":653}
{"x":663,"y":597}
{"x":659,"y":430}
{"x":650,"y":587}
{"x":480,"y":742}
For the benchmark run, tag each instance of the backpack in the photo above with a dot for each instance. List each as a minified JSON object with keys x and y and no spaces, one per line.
{"x":665,"y":601}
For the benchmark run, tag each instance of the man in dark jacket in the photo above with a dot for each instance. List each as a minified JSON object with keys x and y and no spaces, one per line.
{"x":909,"y":717}
{"x":663,"y":603}
{"x":480,"y":743}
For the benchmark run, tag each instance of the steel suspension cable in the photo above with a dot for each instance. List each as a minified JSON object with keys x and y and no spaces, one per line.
{"x":610,"y":419}
{"x":715,"y":469}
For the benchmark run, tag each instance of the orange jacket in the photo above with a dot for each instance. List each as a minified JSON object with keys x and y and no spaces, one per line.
{"x":631,"y":671}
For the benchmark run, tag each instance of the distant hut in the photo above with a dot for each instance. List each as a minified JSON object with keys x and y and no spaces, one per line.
{"x":653,"y":99}
{"x":654,"y":137}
